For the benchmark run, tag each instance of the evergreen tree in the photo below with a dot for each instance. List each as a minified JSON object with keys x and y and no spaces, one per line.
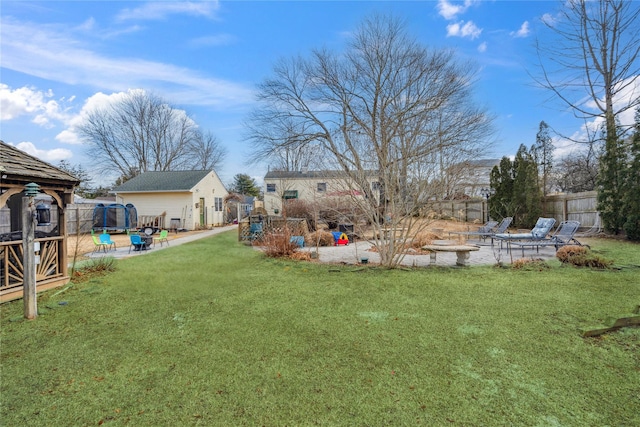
{"x":244,"y":184}
{"x":526,"y":191}
{"x":501,"y":179}
{"x":631,"y":198}
{"x":610,"y":183}
{"x":542,"y":152}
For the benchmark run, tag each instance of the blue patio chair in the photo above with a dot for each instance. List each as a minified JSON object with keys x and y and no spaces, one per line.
{"x":490,"y":229}
{"x":98,"y":244}
{"x":136,"y":243}
{"x":538,"y":232}
{"x":105,"y":239}
{"x":564,"y":235}
{"x":256,"y":231}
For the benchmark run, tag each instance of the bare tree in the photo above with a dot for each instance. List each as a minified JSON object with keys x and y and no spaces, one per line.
{"x":142,"y":132}
{"x":592,"y":62}
{"x":577,"y":172}
{"x":386,"y":104}
{"x":596,"y":53}
{"x":207,"y":151}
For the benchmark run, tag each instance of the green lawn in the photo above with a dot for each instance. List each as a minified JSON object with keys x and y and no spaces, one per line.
{"x":211,"y":333}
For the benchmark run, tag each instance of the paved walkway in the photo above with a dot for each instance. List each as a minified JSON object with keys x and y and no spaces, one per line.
{"x":487,"y":255}
{"x":354,"y":252}
{"x":123,"y":250}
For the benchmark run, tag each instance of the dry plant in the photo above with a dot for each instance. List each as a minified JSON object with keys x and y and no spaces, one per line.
{"x":319,"y":238}
{"x":530,"y":264}
{"x":581,"y":256}
{"x":278,"y":245}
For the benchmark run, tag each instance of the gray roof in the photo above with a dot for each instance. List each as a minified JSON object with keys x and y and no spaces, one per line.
{"x":483,"y":163}
{"x":162,"y":181}
{"x":309,"y":174}
{"x":22,"y":167}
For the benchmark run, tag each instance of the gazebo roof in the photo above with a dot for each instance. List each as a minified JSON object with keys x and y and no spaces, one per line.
{"x":20,"y":168}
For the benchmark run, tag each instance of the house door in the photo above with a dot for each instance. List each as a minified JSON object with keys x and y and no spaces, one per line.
{"x":203,"y":216}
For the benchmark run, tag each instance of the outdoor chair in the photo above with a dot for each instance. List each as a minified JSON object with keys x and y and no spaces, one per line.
{"x":488,"y":230}
{"x":163,"y":237}
{"x":564,"y":235}
{"x":136,"y":242}
{"x":255,"y":231}
{"x":542,"y":228}
{"x":105,"y":239}
{"x":98,"y":244}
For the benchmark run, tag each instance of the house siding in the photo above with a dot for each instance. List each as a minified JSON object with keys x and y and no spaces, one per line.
{"x":307,"y":188}
{"x":182,"y":204}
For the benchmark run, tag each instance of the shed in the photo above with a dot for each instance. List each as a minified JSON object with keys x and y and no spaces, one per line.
{"x":17,"y":169}
{"x":183,"y":199}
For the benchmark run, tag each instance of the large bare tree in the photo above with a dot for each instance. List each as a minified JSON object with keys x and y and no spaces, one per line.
{"x":142,"y":132}
{"x":593,"y":66}
{"x":386,"y":104}
{"x":591,"y":62}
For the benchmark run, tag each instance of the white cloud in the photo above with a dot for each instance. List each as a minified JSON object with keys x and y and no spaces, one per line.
{"x":50,"y":52}
{"x":450,"y":11}
{"x":465,"y":30}
{"x":27,"y":101}
{"x":51,"y":156}
{"x":548,"y":19}
{"x":160,"y":10}
{"x":482,"y":47}
{"x":94,"y":103}
{"x":216,"y":40}
{"x":524,"y":30}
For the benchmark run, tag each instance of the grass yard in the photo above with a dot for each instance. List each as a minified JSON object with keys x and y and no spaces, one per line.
{"x":211,"y":333}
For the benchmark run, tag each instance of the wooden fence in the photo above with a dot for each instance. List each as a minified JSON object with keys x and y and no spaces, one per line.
{"x":576,"y":206}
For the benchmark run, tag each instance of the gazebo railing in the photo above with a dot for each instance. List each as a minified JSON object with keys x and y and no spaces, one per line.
{"x":11,"y":262}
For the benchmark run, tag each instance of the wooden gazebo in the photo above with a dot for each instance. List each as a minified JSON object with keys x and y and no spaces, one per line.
{"x":17,"y":169}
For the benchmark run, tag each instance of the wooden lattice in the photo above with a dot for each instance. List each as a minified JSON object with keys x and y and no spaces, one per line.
{"x":12,"y":267}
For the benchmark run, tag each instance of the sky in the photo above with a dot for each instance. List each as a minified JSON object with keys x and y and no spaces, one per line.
{"x":60,"y":59}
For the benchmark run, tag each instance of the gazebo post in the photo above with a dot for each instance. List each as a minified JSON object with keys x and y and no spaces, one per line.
{"x":29,"y":255}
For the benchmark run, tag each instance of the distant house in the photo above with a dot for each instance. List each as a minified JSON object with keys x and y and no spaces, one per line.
{"x":470,"y":177}
{"x":184,"y":199}
{"x":311,"y":186}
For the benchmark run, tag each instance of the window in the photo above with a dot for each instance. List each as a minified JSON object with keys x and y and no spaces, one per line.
{"x":322,"y":186}
{"x":271,"y":188}
{"x":290,"y":194}
{"x":218,"y":204}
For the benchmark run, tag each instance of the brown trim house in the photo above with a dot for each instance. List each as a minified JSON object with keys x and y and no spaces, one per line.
{"x":17,"y":169}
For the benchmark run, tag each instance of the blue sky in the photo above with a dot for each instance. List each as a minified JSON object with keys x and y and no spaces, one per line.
{"x":61,"y":58}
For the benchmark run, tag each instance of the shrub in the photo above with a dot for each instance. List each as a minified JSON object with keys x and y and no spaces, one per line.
{"x":278,"y":245}
{"x":319,"y":237}
{"x":581,"y":256}
{"x":301,"y":256}
{"x":424,"y":238}
{"x":94,"y":267}
{"x":530,"y":264}
{"x":297,"y":208}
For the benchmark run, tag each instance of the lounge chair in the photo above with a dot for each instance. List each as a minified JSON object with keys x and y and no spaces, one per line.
{"x":542,"y":228}
{"x":564,"y":235}
{"x":488,"y":230}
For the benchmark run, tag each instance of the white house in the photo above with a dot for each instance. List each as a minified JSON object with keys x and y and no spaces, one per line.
{"x":470,"y":177}
{"x":193,"y":199}
{"x":312,"y":186}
